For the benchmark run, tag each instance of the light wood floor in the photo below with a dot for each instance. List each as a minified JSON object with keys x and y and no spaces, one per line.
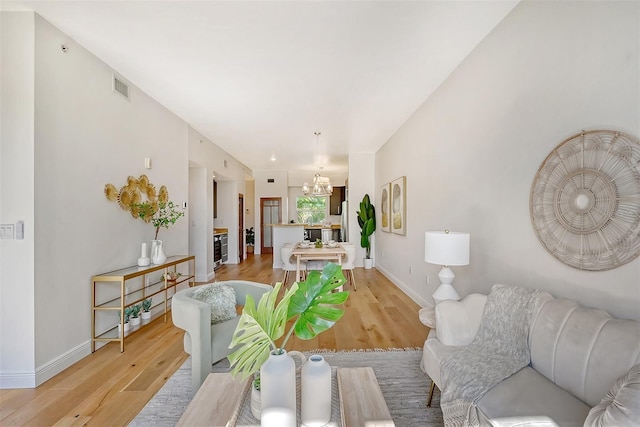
{"x":108,"y":388}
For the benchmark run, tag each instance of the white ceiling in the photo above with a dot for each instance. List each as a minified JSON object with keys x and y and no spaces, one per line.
{"x":258,"y":78}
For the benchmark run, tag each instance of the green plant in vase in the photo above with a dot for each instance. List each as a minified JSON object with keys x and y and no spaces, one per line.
{"x":146,"y":309}
{"x":311,"y":304}
{"x":159,"y":214}
{"x":367,"y":223}
{"x":135,"y":314}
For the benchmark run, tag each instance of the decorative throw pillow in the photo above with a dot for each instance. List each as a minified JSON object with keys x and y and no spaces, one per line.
{"x":621,"y":405}
{"x":221,"y":298}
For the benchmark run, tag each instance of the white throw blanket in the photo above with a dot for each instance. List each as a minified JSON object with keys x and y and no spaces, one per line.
{"x":499,"y":350}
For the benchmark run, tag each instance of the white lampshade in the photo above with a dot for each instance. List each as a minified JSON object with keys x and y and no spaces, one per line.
{"x":446,"y":248}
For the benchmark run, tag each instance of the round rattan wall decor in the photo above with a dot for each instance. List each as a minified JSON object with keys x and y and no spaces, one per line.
{"x":585,"y":200}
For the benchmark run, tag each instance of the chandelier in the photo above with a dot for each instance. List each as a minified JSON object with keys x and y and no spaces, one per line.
{"x":321,"y":184}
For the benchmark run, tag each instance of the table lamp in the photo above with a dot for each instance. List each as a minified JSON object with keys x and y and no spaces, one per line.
{"x":446,"y":248}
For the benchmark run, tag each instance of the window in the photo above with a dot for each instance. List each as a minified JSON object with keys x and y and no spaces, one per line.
{"x":311,"y":209}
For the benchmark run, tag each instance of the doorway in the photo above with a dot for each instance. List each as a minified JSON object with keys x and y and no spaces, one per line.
{"x":270,"y":213}
{"x":241,"y":239}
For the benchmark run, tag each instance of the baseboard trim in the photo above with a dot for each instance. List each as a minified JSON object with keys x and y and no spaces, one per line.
{"x":418,"y":299}
{"x":46,"y":371}
{"x":54,"y":367}
{"x":18,"y":380}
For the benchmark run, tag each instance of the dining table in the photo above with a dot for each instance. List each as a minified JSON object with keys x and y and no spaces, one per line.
{"x":309,"y":252}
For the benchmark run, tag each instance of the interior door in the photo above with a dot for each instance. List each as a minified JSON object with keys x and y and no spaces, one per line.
{"x":241,"y":240}
{"x":270,"y":213}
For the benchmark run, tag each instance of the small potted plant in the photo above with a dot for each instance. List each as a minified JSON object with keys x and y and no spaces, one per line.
{"x":146,"y":309}
{"x":318,"y":243}
{"x":135,"y":314}
{"x":250,"y":239}
{"x":127,"y":315}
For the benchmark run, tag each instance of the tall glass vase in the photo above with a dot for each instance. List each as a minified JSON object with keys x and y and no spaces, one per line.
{"x":278,"y":390}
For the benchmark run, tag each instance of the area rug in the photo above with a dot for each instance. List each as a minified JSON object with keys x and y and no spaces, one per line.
{"x":404,"y":386}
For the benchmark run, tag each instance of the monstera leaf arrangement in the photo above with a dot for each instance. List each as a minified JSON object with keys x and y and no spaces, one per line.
{"x":311,"y":305}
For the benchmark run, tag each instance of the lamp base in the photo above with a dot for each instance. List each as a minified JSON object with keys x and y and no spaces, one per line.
{"x":445,"y":291}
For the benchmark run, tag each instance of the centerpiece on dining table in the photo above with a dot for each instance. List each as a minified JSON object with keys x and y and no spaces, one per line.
{"x":318,"y":243}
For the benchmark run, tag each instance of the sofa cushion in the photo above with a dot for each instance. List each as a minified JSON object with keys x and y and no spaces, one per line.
{"x":583,"y":350}
{"x":221,"y":298}
{"x":621,"y":405}
{"x":529,"y":394}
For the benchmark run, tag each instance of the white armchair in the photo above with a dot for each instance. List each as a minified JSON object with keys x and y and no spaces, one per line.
{"x":457,"y":323}
{"x":207,"y":343}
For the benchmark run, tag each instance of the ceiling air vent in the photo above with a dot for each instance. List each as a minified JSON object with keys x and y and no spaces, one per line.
{"x":121,"y":87}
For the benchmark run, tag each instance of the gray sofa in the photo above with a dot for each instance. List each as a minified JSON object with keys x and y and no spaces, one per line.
{"x":577,"y":355}
{"x":208,"y":343}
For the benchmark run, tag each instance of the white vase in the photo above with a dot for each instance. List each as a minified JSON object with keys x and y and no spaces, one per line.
{"x":146,"y":315}
{"x":126,"y":328}
{"x":368,"y":263}
{"x":157,"y":252}
{"x":278,"y":391}
{"x":135,"y":321}
{"x":315,"y":405}
{"x":144,"y":260}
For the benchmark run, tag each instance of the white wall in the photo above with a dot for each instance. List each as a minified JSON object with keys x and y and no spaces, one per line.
{"x":362,"y":168}
{"x":85,"y":137}
{"x":230,"y":175}
{"x":17,"y":317}
{"x":471,"y":151}
{"x":200,"y":222}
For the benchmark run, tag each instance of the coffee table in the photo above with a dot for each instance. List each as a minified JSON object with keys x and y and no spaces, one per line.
{"x":220,"y":400}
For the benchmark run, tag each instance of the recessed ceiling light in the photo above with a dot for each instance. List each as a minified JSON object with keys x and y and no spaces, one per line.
{"x":273,"y":157}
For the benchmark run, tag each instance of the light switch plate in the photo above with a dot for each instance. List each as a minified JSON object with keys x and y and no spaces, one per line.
{"x":6,"y":231}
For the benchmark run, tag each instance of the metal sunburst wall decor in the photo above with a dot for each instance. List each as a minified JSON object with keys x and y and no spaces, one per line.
{"x":585,"y":200}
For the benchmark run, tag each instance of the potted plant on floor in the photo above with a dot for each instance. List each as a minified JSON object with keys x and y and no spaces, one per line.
{"x":311,"y":305}
{"x":367,"y":223}
{"x":250,"y":239}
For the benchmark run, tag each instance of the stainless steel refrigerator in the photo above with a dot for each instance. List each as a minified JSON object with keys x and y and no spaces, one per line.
{"x":344,"y":222}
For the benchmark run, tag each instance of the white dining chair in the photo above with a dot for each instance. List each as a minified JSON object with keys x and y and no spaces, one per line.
{"x":289,"y":263}
{"x":349,"y":263}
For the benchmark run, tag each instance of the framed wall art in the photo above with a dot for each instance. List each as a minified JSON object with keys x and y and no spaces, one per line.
{"x":398,"y":206}
{"x":385,"y":207}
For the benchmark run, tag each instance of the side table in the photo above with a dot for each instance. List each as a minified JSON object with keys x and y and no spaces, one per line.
{"x":427,"y":317}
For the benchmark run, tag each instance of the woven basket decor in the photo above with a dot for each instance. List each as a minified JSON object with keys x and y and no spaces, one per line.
{"x":585,"y":200}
